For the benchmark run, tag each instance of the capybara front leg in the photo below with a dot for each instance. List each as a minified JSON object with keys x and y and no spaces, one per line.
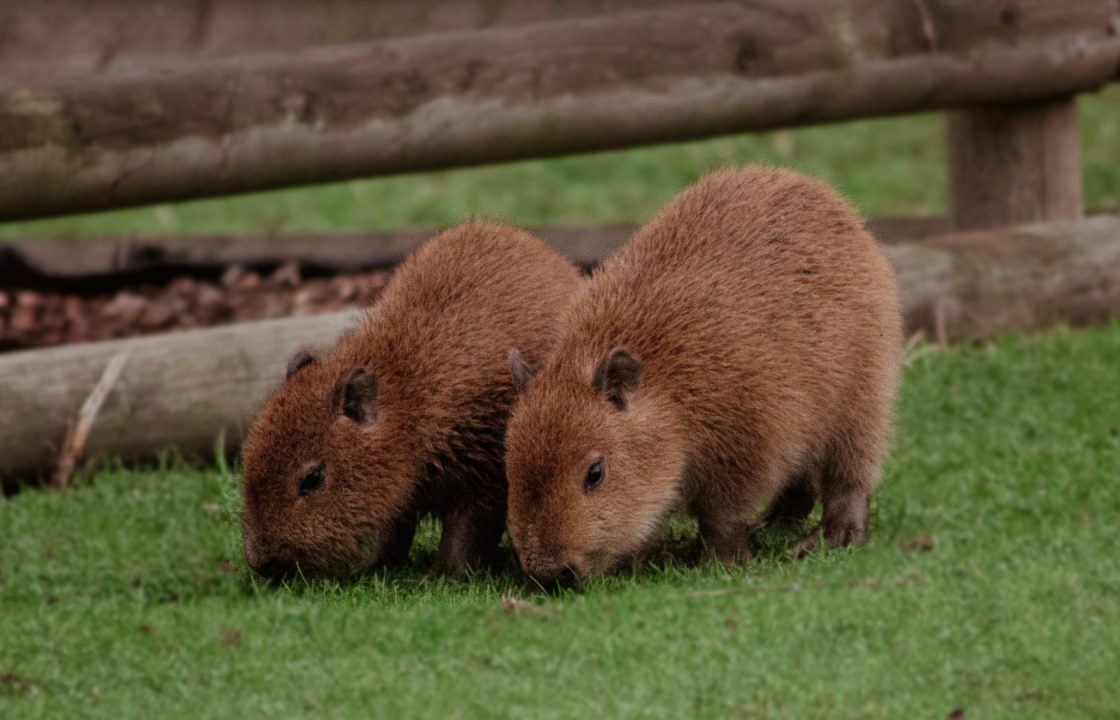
{"x":395,"y":552}
{"x":725,"y":538}
{"x":470,"y":540}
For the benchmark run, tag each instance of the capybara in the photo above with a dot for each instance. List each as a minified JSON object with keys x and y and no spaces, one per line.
{"x":741,"y":352}
{"x":406,"y":416}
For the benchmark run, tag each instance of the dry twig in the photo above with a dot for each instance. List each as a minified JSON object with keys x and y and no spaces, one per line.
{"x":916,"y":347}
{"x":75,"y":443}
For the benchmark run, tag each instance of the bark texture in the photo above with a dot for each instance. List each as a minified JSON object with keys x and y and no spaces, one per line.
{"x":1014,"y":164}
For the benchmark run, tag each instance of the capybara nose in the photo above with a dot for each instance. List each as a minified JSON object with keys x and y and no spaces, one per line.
{"x":274,"y":568}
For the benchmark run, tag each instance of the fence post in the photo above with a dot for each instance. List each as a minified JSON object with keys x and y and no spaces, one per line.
{"x":1013,"y":164}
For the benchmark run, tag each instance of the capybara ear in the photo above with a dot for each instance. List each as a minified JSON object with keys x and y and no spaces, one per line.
{"x":520,"y":370}
{"x":617,"y":377}
{"x":355,"y":396}
{"x":300,"y":359}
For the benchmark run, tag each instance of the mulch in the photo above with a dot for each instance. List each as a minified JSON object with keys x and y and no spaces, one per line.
{"x":40,"y":318}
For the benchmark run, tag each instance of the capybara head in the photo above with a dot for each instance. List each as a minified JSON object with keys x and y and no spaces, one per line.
{"x":592,"y":463}
{"x":322,"y":478}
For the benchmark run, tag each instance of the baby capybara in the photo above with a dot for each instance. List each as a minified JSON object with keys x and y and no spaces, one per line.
{"x":405,"y":417}
{"x":741,"y":352}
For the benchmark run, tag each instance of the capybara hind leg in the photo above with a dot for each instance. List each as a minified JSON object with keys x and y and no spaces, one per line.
{"x":848,"y":479}
{"x":845,"y":518}
{"x":844,"y":523}
{"x":796,"y":500}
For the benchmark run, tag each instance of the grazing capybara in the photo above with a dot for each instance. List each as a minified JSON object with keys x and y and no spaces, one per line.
{"x":742,"y":351}
{"x":405,"y":417}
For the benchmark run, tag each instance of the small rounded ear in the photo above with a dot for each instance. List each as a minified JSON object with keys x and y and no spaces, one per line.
{"x":300,"y":359}
{"x":520,"y":370}
{"x":355,"y":396}
{"x":617,"y":377}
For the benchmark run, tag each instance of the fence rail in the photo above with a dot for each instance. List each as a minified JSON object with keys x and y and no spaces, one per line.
{"x":607,"y":81}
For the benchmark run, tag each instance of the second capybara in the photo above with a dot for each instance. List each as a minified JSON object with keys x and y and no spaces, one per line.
{"x":405,"y":417}
{"x":741,"y":352}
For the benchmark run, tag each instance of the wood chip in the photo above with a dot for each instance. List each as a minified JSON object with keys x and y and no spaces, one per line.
{"x":517,"y":606}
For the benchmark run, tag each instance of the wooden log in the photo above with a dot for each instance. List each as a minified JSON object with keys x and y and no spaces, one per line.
{"x":186,"y":388}
{"x":181,"y":389}
{"x":111,"y":35}
{"x":451,"y":99}
{"x":1014,"y":164}
{"x":39,"y":262}
{"x":87,"y":265}
{"x":972,"y":285}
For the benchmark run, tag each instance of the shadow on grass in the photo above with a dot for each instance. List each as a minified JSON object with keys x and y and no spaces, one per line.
{"x":675,"y":553}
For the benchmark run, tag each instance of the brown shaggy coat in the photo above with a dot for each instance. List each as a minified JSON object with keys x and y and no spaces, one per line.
{"x":405,"y":417}
{"x":745,"y":345}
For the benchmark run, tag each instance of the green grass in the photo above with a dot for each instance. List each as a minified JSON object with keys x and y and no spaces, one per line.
{"x":886,"y":166}
{"x":117,"y":602}
{"x":127,"y":596}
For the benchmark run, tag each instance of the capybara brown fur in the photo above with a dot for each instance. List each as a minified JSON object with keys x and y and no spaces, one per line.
{"x":741,"y":352}
{"x":405,"y":416}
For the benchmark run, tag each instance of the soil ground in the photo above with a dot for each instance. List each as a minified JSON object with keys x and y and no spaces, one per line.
{"x":30,"y":318}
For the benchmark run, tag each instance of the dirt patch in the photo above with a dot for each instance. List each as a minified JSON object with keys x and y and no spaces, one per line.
{"x":12,"y":684}
{"x":230,"y":637}
{"x":41,"y":318}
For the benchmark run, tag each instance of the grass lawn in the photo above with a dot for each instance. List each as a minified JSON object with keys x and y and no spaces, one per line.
{"x":991,"y":584}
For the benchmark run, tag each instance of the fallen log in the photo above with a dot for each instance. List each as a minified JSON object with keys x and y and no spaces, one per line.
{"x":180,"y":389}
{"x":86,"y":265}
{"x":98,"y":264}
{"x":502,"y":93}
{"x":185,"y":388}
{"x":972,"y":285}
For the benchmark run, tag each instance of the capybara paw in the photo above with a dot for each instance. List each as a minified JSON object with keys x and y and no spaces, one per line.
{"x":445,"y":568}
{"x":836,"y":534}
{"x":463,"y":568}
{"x":806,"y":545}
{"x":726,"y":550}
{"x":845,"y":520}
{"x":731,"y":555}
{"x":844,"y":533}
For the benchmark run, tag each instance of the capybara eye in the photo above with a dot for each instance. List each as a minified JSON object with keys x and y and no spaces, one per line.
{"x":312,"y":481}
{"x":594,"y":475}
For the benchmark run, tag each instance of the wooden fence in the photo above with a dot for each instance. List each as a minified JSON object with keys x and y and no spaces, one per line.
{"x":141,"y":101}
